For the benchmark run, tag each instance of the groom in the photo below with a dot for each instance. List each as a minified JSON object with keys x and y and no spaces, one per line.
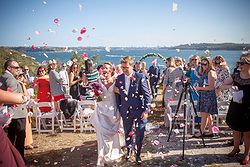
{"x":133,"y":102}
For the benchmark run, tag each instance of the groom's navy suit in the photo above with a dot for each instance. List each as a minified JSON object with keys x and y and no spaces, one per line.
{"x":131,"y":105}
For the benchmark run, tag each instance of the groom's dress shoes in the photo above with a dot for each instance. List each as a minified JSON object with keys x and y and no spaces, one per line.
{"x":138,"y":160}
{"x":129,"y":153}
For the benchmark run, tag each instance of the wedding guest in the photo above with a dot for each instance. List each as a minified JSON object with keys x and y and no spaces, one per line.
{"x":133,"y":102}
{"x":172,"y":86}
{"x":179,"y":62}
{"x":207,"y":96}
{"x":137,"y":66}
{"x":90,"y":71}
{"x":222,"y":72}
{"x":16,"y":130}
{"x":27,"y":75}
{"x":195,"y":68}
{"x":99,"y":69}
{"x":144,"y":69}
{"x":56,"y":82}
{"x":43,"y":84}
{"x":238,"y":116}
{"x":88,"y":75}
{"x":109,"y":146}
{"x":28,"y":135}
{"x":74,"y":81}
{"x":64,"y":75}
{"x":154,"y":73}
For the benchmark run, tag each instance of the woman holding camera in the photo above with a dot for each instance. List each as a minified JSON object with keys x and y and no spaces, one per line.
{"x":207,"y":104}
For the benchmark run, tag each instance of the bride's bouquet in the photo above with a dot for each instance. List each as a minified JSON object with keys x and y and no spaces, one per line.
{"x":96,"y":90}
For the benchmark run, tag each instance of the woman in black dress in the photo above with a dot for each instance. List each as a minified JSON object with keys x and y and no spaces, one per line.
{"x":238,"y":116}
{"x":74,"y":80}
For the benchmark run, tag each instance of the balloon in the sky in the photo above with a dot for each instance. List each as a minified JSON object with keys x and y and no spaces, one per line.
{"x":29,"y":38}
{"x":56,"y":20}
{"x":83,"y":30}
{"x":74,"y":30}
{"x":33,"y":47}
{"x":174,"y":7}
{"x":79,"y":38}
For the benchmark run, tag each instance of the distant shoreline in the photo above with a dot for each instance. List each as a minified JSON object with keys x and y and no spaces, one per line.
{"x":198,"y":46}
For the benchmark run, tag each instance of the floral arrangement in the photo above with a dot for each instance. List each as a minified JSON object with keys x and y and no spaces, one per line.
{"x":96,"y":90}
{"x":153,"y":55}
{"x":132,"y":78}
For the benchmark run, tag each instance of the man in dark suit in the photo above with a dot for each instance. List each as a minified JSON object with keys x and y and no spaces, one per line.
{"x":133,"y":102}
{"x":154,"y":77}
{"x":16,"y":130}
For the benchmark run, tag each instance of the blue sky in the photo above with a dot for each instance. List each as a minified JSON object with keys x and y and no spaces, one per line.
{"x":123,"y":22}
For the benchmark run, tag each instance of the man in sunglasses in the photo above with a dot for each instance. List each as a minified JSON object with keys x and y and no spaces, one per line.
{"x":8,"y":82}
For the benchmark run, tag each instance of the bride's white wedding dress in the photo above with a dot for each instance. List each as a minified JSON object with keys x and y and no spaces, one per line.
{"x":106,"y":121}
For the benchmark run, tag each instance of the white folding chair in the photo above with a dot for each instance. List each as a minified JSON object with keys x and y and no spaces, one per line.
{"x":42,"y":116}
{"x":222,"y":111}
{"x":88,"y":107}
{"x":70,"y":124}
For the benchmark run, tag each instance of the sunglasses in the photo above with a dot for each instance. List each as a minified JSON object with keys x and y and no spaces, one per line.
{"x":15,"y":67}
{"x":242,"y":63}
{"x":217,"y":62}
{"x":41,"y":70}
{"x":204,"y":64}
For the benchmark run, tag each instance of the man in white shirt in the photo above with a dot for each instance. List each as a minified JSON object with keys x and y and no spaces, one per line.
{"x":64,"y":75}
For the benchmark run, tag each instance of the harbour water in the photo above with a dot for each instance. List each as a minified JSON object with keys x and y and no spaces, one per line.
{"x":115,"y":55}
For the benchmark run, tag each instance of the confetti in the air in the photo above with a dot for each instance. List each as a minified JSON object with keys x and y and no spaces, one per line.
{"x":75,"y":30}
{"x":174,"y":7}
{"x":79,"y":38}
{"x":83,"y":30}
{"x":80,"y":7}
{"x":37,"y":32}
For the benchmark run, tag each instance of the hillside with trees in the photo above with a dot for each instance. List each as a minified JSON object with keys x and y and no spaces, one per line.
{"x":21,"y":58}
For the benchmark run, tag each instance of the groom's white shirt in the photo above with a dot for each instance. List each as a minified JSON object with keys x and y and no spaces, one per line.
{"x":127,"y":81}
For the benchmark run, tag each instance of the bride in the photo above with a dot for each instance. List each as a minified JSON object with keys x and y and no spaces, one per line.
{"x":106,"y":120}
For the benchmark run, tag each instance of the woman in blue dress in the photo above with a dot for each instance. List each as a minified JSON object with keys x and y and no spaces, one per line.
{"x":207,"y":96}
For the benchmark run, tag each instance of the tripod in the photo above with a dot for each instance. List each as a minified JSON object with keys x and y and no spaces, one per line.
{"x":185,"y":90}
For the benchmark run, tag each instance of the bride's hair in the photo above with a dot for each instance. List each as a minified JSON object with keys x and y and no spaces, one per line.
{"x":112,"y":68}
